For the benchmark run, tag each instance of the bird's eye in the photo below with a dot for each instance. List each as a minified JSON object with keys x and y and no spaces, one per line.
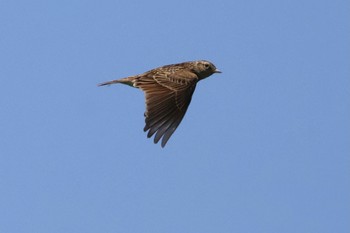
{"x":207,"y":66}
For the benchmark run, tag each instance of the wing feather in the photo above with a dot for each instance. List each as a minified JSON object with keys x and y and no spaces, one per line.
{"x":167,"y":99}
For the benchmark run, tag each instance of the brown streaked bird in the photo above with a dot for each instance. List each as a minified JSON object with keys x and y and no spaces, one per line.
{"x":168,"y":92}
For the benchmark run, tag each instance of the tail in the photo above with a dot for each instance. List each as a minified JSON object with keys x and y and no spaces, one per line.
{"x":108,"y":83}
{"x":128,"y":81}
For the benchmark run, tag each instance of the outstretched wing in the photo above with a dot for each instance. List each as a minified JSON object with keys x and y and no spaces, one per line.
{"x":167,"y":99}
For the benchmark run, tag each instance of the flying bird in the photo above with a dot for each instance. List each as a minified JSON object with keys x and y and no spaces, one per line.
{"x":168,"y":92}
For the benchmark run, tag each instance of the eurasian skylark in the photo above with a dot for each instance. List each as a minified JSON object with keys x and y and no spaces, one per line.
{"x":168,"y":92}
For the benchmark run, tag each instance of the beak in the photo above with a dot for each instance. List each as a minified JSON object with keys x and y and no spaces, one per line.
{"x":217,"y":71}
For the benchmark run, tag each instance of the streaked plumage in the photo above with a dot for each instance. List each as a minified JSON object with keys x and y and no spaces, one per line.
{"x":168,"y":92}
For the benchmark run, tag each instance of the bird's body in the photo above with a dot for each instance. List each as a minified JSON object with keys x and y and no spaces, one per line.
{"x":168,"y":91}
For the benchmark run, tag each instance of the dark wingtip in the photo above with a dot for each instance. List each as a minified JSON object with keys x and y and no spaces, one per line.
{"x":163,"y":144}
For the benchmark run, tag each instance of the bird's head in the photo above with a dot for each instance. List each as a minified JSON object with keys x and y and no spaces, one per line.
{"x":204,"y":69}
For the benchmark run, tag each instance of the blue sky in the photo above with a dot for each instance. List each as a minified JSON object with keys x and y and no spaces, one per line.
{"x":264,"y":146}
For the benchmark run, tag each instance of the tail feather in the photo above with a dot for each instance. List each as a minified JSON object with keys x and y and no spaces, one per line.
{"x":127,"y":81}
{"x":108,"y":83}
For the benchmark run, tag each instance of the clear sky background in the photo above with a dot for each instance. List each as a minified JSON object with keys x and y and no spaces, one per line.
{"x":264,"y":147}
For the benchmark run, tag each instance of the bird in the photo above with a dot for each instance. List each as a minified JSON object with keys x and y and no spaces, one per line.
{"x":168,"y":92}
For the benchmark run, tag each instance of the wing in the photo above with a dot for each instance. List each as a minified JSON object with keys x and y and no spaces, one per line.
{"x":167,"y":99}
